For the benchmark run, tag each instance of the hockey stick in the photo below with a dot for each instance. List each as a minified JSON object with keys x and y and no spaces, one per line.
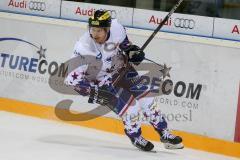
{"x":150,"y":39}
{"x":147,"y":59}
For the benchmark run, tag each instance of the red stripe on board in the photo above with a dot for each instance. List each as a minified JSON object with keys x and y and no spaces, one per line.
{"x":237,"y":127}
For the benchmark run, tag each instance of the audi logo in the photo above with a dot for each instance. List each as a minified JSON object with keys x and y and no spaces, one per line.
{"x":184,"y":23}
{"x":37,"y":6}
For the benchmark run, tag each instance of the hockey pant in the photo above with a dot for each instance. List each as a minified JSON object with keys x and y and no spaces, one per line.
{"x":134,"y":106}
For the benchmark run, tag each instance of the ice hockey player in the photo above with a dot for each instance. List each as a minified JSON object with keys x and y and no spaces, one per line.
{"x":109,"y":49}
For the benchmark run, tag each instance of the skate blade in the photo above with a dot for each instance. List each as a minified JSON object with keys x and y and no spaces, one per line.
{"x":152,"y":151}
{"x":173,"y":146}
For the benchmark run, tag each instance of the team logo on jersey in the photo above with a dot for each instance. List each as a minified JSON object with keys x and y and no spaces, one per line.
{"x":99,"y":56}
{"x":109,"y":59}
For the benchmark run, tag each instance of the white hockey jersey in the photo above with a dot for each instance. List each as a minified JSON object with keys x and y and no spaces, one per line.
{"x":99,"y":60}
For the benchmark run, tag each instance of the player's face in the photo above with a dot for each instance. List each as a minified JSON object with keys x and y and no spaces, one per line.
{"x":98,"y":34}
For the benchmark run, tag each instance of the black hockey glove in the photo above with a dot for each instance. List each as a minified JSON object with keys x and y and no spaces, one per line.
{"x":104,"y":96}
{"x":100,"y":95}
{"x":135,"y":54}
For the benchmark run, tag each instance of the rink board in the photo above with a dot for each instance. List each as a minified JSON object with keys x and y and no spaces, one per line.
{"x":137,"y":18}
{"x":210,"y":64}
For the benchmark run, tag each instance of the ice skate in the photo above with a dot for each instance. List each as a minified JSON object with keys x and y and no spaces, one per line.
{"x":170,"y":141}
{"x":142,"y":143}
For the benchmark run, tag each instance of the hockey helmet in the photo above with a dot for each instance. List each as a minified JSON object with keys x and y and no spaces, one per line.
{"x":101,"y":18}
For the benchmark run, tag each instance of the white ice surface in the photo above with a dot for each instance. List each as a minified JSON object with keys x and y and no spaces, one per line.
{"x":28,"y":138}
